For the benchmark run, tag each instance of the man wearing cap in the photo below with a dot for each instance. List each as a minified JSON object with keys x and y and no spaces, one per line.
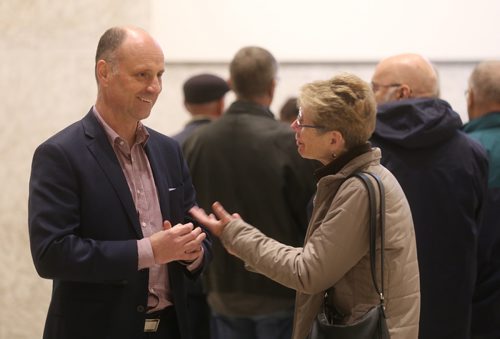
{"x":204,"y":100}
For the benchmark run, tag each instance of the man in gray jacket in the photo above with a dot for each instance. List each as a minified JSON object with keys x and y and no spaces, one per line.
{"x":248,"y":161}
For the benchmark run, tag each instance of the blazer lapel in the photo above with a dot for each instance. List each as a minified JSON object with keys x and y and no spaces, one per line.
{"x":159,"y":174}
{"x":104,"y":154}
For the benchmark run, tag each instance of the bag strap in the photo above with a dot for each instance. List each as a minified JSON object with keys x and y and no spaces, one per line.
{"x":373,"y":227}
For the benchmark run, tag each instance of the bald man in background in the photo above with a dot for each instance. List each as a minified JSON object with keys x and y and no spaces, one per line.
{"x":483,"y":107}
{"x":444,"y":176}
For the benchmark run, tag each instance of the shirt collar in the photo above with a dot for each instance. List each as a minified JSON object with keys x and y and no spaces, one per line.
{"x":141,"y":133}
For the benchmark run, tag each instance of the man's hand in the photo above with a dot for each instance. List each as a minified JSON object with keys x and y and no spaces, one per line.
{"x":181,"y":242}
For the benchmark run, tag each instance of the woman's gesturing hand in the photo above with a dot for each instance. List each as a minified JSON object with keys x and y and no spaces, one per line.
{"x":215,"y":223}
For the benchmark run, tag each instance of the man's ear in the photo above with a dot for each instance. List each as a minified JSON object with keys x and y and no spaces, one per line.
{"x":470,"y":97}
{"x":102,"y":71}
{"x":471,"y":101}
{"x":220,"y":106}
{"x":404,"y":92}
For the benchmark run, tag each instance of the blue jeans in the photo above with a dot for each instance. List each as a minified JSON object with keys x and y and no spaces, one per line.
{"x":269,"y":326}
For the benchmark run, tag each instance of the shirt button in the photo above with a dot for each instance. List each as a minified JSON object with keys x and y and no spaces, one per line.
{"x":143,"y":224}
{"x":140,"y":309}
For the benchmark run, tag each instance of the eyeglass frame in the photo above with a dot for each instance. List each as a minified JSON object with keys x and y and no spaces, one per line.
{"x":376,"y":87}
{"x":298,"y":124}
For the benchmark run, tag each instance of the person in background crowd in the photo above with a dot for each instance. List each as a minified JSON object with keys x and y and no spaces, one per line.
{"x":204,"y":100}
{"x":336,"y":119}
{"x":483,"y":106}
{"x":289,"y":110}
{"x":444,"y":176}
{"x":247,"y":160}
{"x":108,"y":208}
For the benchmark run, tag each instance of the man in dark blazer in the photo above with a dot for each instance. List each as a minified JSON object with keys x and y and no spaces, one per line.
{"x":104,"y":195}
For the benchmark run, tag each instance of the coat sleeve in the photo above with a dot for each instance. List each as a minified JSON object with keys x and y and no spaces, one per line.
{"x":333,"y":248}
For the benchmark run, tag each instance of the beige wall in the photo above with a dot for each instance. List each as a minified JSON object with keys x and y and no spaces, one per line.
{"x":46,"y":82}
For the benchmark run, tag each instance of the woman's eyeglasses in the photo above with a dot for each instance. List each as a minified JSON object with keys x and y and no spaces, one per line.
{"x":298,"y":123}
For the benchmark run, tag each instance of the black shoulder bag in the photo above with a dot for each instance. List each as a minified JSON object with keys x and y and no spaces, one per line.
{"x":328,"y":324}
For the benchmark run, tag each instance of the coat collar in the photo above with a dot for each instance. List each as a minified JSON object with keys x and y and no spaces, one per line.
{"x":344,"y":159}
{"x":248,"y":107}
{"x":359,"y":162}
{"x":488,"y":120}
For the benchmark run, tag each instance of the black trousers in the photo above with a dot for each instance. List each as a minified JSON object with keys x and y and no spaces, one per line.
{"x":167,"y":328}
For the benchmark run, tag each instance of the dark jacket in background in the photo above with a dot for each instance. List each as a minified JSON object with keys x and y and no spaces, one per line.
{"x":486,"y":302}
{"x":189,"y":129}
{"x":249,"y":162}
{"x":444,"y":176}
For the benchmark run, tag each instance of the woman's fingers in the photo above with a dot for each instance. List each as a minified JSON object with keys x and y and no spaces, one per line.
{"x":221,"y":213}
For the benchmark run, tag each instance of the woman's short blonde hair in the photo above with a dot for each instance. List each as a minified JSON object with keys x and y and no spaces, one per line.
{"x":345,"y":103}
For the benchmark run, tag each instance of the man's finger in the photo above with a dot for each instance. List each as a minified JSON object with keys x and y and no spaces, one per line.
{"x":167,"y":225}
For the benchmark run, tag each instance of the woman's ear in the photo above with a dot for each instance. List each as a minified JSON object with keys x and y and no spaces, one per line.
{"x":333,"y":138}
{"x":337,"y":143}
{"x":336,"y":137}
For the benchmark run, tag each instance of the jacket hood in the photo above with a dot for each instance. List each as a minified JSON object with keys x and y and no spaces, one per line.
{"x":416,"y":123}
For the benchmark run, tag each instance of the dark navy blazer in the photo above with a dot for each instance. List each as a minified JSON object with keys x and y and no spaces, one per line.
{"x":84,"y":227}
